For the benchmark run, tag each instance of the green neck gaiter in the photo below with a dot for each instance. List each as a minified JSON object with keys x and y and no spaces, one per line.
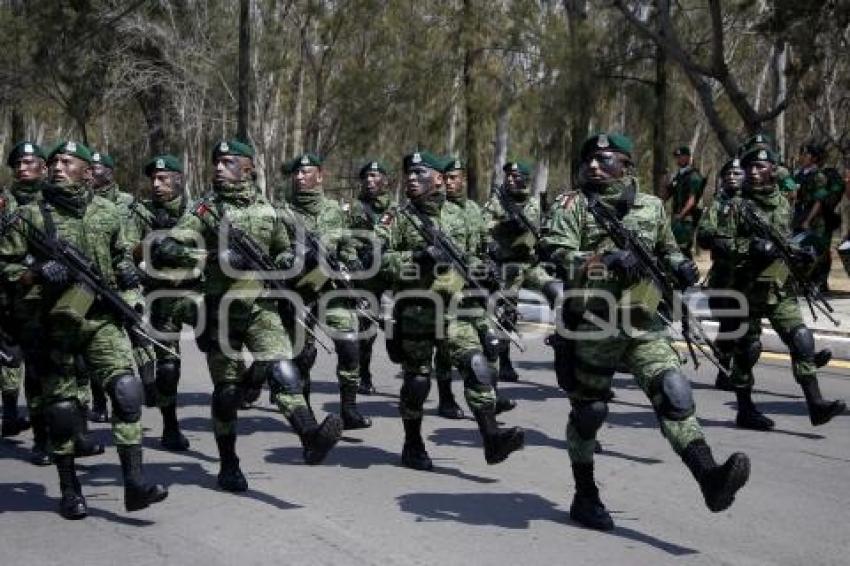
{"x":431,"y":203}
{"x":241,"y":193}
{"x":26,"y":193}
{"x":109,"y":192}
{"x":72,"y":198}
{"x":309,"y":202}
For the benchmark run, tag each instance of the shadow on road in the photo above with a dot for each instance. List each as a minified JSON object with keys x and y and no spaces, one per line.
{"x":510,"y":511}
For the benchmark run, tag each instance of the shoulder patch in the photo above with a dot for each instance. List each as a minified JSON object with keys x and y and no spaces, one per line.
{"x":387,"y":218}
{"x":566,"y":200}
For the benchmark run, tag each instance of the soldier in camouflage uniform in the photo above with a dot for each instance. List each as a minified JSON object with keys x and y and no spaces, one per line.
{"x":512,"y":246}
{"x":686,"y":192}
{"x":415,"y":266}
{"x":590,"y":261}
{"x":308,"y":211}
{"x":814,"y":216}
{"x":27,"y":161}
{"x":762,"y":275}
{"x":246,"y":319}
{"x":167,"y":204}
{"x":75,"y":324}
{"x":103,"y":184}
{"x":373,"y":201}
{"x":714,"y":233}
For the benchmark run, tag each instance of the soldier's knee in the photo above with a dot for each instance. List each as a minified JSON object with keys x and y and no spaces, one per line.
{"x":167,"y":376}
{"x":802,"y":343}
{"x":490,"y":343}
{"x":587,"y":417}
{"x":347,"y":351}
{"x":415,"y":389}
{"x":226,"y":399}
{"x":127,"y":395}
{"x":306,"y":358}
{"x":677,"y":400}
{"x":62,"y":418}
{"x":748,"y":355}
{"x":476,"y":370}
{"x":285,"y":377}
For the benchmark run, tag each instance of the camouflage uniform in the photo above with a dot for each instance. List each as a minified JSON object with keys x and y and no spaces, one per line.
{"x":75,"y":328}
{"x":635,"y":336}
{"x":686,"y":183}
{"x":417,"y":326}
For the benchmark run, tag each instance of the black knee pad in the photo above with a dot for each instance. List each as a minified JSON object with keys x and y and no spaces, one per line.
{"x":226,"y":399}
{"x":677,"y":399}
{"x":127,"y":394}
{"x":748,"y":355}
{"x":167,"y":376}
{"x":801,"y":342}
{"x":587,"y":417}
{"x":553,"y":291}
{"x":476,"y":370}
{"x":62,"y":418}
{"x":306,"y":358}
{"x":415,"y":389}
{"x":285,"y":377}
{"x":490,"y":343}
{"x":347,"y":351}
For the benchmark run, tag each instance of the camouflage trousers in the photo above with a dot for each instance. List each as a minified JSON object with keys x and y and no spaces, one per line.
{"x":647,"y":357}
{"x":11,"y":379}
{"x":253,"y":326}
{"x":105,"y":350}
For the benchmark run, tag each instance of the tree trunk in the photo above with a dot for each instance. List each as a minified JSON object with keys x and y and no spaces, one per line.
{"x":16,"y":125}
{"x":243,"y":118}
{"x":659,"y":129}
{"x":500,"y":144}
{"x":297,"y":111}
{"x":780,"y":59}
{"x":151,"y":104}
{"x":472,"y":54}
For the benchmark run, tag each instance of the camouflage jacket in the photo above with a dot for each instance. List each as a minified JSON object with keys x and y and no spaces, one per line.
{"x":719,"y":223}
{"x":515,"y":244}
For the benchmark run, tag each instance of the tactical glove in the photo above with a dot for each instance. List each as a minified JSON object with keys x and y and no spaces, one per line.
{"x":166,"y":253}
{"x":806,"y":256}
{"x":128,"y":278}
{"x":623,"y":264}
{"x":234,"y":259}
{"x":763,"y":249}
{"x":54,"y":273}
{"x":688,"y":273}
{"x":429,"y":256}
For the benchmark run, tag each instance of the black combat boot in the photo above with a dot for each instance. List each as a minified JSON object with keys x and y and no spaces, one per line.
{"x":587,"y":508}
{"x":351,"y":417}
{"x":748,"y":416}
{"x":137,"y":494}
{"x":503,"y":403}
{"x":821,"y":411}
{"x":13,"y":423}
{"x":723,"y":382}
{"x":447,"y":407}
{"x":498,"y":443}
{"x":40,"y":456}
{"x":719,"y":484}
{"x":413,"y":454}
{"x":317,"y":439}
{"x":172,"y":438}
{"x":84,"y":446}
{"x":230,"y":476}
{"x":506,"y":367}
{"x":72,"y":505}
{"x":99,"y":411}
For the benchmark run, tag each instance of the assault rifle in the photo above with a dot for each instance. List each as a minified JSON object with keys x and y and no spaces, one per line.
{"x":514,"y":212}
{"x":436,"y":237}
{"x":799,"y":282}
{"x":258,"y":260}
{"x":651,"y":268}
{"x":85,"y":272}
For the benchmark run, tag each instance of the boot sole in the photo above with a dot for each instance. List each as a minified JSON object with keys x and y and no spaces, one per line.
{"x":515,"y":442}
{"x":147,"y":503}
{"x":836,"y":409}
{"x":330,"y":431}
{"x":766,"y":427}
{"x":738,"y":476}
{"x":592,"y":525}
{"x":451,"y":414}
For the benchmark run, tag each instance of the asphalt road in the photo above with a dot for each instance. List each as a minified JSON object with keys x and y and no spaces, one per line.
{"x":361,"y":507}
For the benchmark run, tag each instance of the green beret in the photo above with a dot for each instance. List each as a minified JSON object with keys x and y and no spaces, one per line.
{"x":103,"y":159}
{"x":71,"y":148}
{"x":733,"y":163}
{"x":303,"y":160}
{"x":425,"y":158}
{"x":521,"y":166}
{"x":758,"y":141}
{"x":232,"y":147}
{"x":759,"y":155}
{"x":24,"y":148}
{"x":372,"y":166}
{"x":163,"y":163}
{"x":607,"y":142}
{"x":454,"y":164}
{"x":683,"y":150}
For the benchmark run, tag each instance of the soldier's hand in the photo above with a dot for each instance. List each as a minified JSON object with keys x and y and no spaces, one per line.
{"x":166,"y":252}
{"x":688,"y":273}
{"x":806,"y":256}
{"x":234,"y":259}
{"x":494,"y":250}
{"x":763,"y":249}
{"x":624,"y":264}
{"x":54,"y":273}
{"x":128,"y":278}
{"x":430,"y":255}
